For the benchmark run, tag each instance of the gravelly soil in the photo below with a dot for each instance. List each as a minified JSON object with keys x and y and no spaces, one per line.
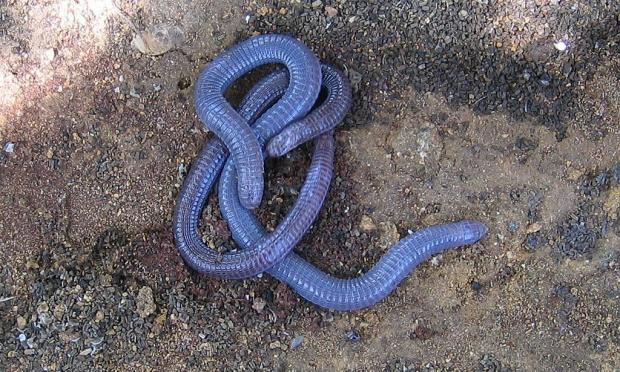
{"x":462,"y":110}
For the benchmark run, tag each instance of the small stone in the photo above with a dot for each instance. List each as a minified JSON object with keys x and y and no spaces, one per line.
{"x":275,"y":345}
{"x":296,"y":342}
{"x":158,"y":39}
{"x":353,"y":336}
{"x":59,"y":311}
{"x":42,"y":308}
{"x":86,"y":352}
{"x":259,"y":304}
{"x":49,"y":154}
{"x":463,"y":14}
{"x":366,"y":224}
{"x":317,"y":4}
{"x":99,"y":316}
{"x":69,"y":336}
{"x":145,"y":304}
{"x":330,"y":11}
{"x":159,"y":322}
{"x":29,"y":351}
{"x":535,"y":227}
{"x":560,"y":45}
{"x":9,"y":147}
{"x":21,"y":322}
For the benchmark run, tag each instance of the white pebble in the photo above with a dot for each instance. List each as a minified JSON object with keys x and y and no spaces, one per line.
{"x":560,"y":45}
{"x":9,"y":147}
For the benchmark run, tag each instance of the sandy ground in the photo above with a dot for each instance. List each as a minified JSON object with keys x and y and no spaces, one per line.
{"x":97,"y":129}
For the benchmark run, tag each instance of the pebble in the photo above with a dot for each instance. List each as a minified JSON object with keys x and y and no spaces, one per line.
{"x":145,"y":304}
{"x":330,"y":11}
{"x":42,"y":308}
{"x":545,"y":80}
{"x":317,"y":4}
{"x":560,"y":45}
{"x":259,"y":304}
{"x":158,"y":39}
{"x":9,"y":147}
{"x":99,"y":316}
{"x":463,"y":14}
{"x":367,"y":224}
{"x":296,"y":342}
{"x":86,"y":351}
{"x":353,"y":336}
{"x":21,"y":322}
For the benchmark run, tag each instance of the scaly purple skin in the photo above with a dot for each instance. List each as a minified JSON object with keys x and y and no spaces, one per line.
{"x":221,"y":118}
{"x":307,"y":280}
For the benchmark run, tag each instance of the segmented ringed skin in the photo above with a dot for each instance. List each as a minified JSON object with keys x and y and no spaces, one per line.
{"x":230,"y":127}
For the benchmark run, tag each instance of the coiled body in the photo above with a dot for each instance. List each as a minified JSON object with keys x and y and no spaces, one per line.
{"x":202,"y":176}
{"x":261,"y":251}
{"x":221,"y":118}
